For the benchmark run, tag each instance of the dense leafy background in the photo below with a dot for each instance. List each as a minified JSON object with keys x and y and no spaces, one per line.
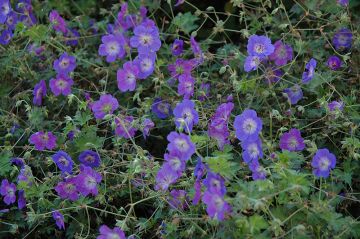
{"x":290,"y":203}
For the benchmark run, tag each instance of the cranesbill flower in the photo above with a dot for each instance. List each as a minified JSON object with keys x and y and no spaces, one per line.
{"x":65,"y":64}
{"x":107,"y":104}
{"x":89,"y":158}
{"x":247,"y":125}
{"x":146,"y":38}
{"x":179,"y":2}
{"x":43,"y":140}
{"x":11,"y":20}
{"x":282,"y":54}
{"x":39,"y":92}
{"x":113,"y":47}
{"x":174,"y":161}
{"x":25,"y":11}
{"x":252,"y":150}
{"x":273,"y":75}
{"x":309,"y":71}
{"x":181,"y":144}
{"x":88,"y":180}
{"x":294,"y":94}
{"x":57,"y":22}
{"x":336,"y":105}
{"x":197,"y":193}
{"x":147,"y":125}
{"x":343,"y":3}
{"x":292,"y":141}
{"x":59,"y":219}
{"x":18,"y":162}
{"x":214,"y":183}
{"x":177,"y":199}
{"x":185,"y":115}
{"x":107,"y":233}
{"x":334,"y":63}
{"x":177,"y":47}
{"x":8,"y":190}
{"x":342,"y":39}
{"x":63,"y":161}
{"x":204,"y":91}
{"x":68,"y":189}
{"x":126,"y":77}
{"x":61,"y":85}
{"x":186,"y":86}
{"x":124,"y":127}
{"x":199,"y":170}
{"x":21,"y":199}
{"x":251,"y":63}
{"x":165,"y":177}
{"x":322,"y":162}
{"x":161,"y":108}
{"x":146,"y":64}
{"x":259,"y":46}
{"x":217,"y":207}
{"x":5,"y":37}
{"x":258,"y":172}
{"x":72,"y":36}
{"x":5,"y":9}
{"x":25,"y":175}
{"x":180,"y":67}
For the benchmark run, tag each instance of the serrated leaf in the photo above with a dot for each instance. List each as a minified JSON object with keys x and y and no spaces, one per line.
{"x":186,"y":22}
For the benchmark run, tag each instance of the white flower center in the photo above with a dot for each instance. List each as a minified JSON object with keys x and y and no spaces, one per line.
{"x":249,"y":126}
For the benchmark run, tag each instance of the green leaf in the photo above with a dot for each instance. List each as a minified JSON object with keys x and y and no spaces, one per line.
{"x":5,"y":165}
{"x":220,"y":163}
{"x":88,"y":139}
{"x":37,"y":33}
{"x":257,"y":223}
{"x":186,"y":22}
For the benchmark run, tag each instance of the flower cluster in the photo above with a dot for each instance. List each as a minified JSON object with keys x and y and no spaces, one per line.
{"x":62,"y":83}
{"x":59,"y":25}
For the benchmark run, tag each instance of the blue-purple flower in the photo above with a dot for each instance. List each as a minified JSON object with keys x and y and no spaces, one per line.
{"x":258,"y":172}
{"x":342,"y":39}
{"x":147,"y":125}
{"x":252,"y":63}
{"x":126,"y":77}
{"x":113,"y":47}
{"x":181,"y":143}
{"x":68,"y":189}
{"x":165,"y":177}
{"x":146,"y":64}
{"x":282,"y":54}
{"x":63,"y":161}
{"x":217,"y":207}
{"x":57,"y":22}
{"x":161,"y":108}
{"x":21,"y":199}
{"x":334,"y":63}
{"x":43,"y":140}
{"x":177,"y":47}
{"x":178,"y":199}
{"x":107,"y":104}
{"x":185,"y":115}
{"x":214,"y":183}
{"x":107,"y":233}
{"x":186,"y":86}
{"x":247,"y":125}
{"x":309,"y":71}
{"x":335,"y":106}
{"x":61,"y":85}
{"x":39,"y":93}
{"x":88,"y":180}
{"x":252,"y":150}
{"x":59,"y":219}
{"x":292,"y":141}
{"x":65,"y":64}
{"x":5,"y":9}
{"x":259,"y":46}
{"x":322,"y":162}
{"x":294,"y":94}
{"x":8,"y":190}
{"x":124,"y":127}
{"x":146,"y":37}
{"x":5,"y":37}
{"x":90,"y":158}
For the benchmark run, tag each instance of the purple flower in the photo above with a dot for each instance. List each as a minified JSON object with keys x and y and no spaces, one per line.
{"x":59,"y":219}
{"x":342,"y":39}
{"x":186,"y":115}
{"x":8,"y":190}
{"x":25,"y":11}
{"x":146,"y":38}
{"x":177,"y":199}
{"x":181,"y":144}
{"x":43,"y":140}
{"x":146,"y":64}
{"x":5,"y":37}
{"x":124,"y":127}
{"x":273,"y":75}
{"x":68,"y":189}
{"x":174,"y":161}
{"x":336,"y":105}
{"x":204,"y":91}
{"x":322,"y":162}
{"x":292,"y":141}
{"x":309,"y":71}
{"x":65,"y":64}
{"x":334,"y":63}
{"x":21,"y":199}
{"x":39,"y":92}
{"x":113,"y":47}
{"x":161,"y":108}
{"x":18,"y":162}
{"x":195,"y":47}
{"x":72,"y":36}
{"x":87,"y":181}
{"x":186,"y":86}
{"x":247,"y":125}
{"x":180,"y":67}
{"x":217,"y":207}
{"x":259,"y":46}
{"x":11,"y":20}
{"x":179,"y":2}
{"x":25,"y":175}
{"x":258,"y":172}
{"x":107,"y":233}
{"x":294,"y":94}
{"x":63,"y":161}
{"x":126,"y":77}
{"x":251,"y":63}
{"x":89,"y":158}
{"x":107,"y":104}
{"x":197,"y":193}
{"x":343,"y":3}
{"x":215,"y":184}
{"x":165,"y":177}
{"x":57,"y":22}
{"x":61,"y":85}
{"x":177,"y":47}
{"x":147,"y":124}
{"x":282,"y":54}
{"x":252,"y":150}
{"x":199,"y":170}
{"x":5,"y":9}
